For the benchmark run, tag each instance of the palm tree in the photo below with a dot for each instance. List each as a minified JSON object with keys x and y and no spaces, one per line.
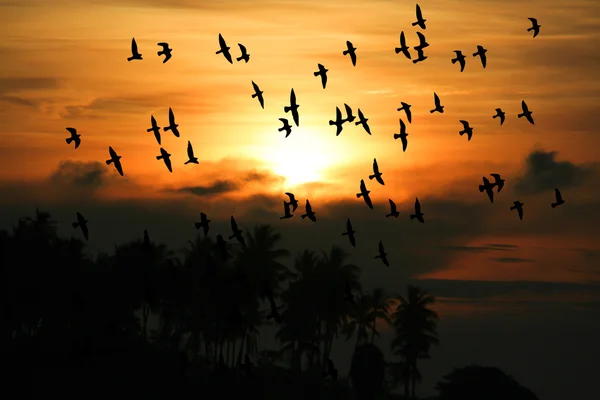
{"x":367,"y":372}
{"x":360,"y":319}
{"x":380,"y":310}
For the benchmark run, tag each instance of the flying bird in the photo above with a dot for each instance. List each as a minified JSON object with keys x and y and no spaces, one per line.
{"x":309,"y":212}
{"x":498,"y":182}
{"x":172,"y":125}
{"x":422,"y":42}
{"x":420,"y":21}
{"x":466,"y":129}
{"x":481,"y":53}
{"x":403,"y":136}
{"x":349,"y":116}
{"x":365,"y":194}
{"x":403,"y":47}
{"x":350,"y":233}
{"x":245,"y":56}
{"x":287,"y":211}
{"x":382,"y":254}
{"x":526,"y":113}
{"x":166,"y":157}
{"x":420,"y":56}
{"x":339,"y":121}
{"x":331,"y":370}
{"x":258,"y":94}
{"x":224,"y":49}
{"x":500,"y":114}
{"x":363,"y":121}
{"x":154,"y":128}
{"x":135,"y":54}
{"x":293,"y":202}
{"x":460,"y":58}
{"x":81,"y":223}
{"x":323,"y":73}
{"x":559,"y":199}
{"x":204,"y":221}
{"x":519,"y":207}
{"x":418,"y":214}
{"x":293,"y":107}
{"x":75,"y":137}
{"x":237,"y":233}
{"x":406,"y":108}
{"x":376,"y":174}
{"x":438,"y":107}
{"x":166,"y":51}
{"x":351,"y":50}
{"x":286,"y":127}
{"x":115,"y":159}
{"x":535,"y":27}
{"x":488,"y":187}
{"x":393,"y":212}
{"x":190,"y":153}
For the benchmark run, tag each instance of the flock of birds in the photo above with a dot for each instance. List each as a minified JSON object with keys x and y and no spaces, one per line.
{"x":291,"y":204}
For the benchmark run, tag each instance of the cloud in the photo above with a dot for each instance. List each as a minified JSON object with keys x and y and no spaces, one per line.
{"x":510,"y":260}
{"x":227,"y":186}
{"x":79,"y":174}
{"x":488,"y":247}
{"x":217,"y":187}
{"x":15,"y":85}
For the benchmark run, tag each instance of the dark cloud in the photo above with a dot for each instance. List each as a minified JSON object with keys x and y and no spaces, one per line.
{"x":222,"y":186}
{"x":19,"y":101}
{"x":79,"y":174}
{"x":17,"y":85}
{"x":488,"y":247}
{"x":510,"y":260}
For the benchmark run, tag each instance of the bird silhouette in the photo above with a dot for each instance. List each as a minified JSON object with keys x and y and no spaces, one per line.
{"x":349,"y":116}
{"x":382,"y":254}
{"x":258,"y":94}
{"x":466,"y":129}
{"x":287,"y":211}
{"x":339,"y":121}
{"x":166,"y":157}
{"x":348,"y":296}
{"x":488,"y":187}
{"x":350,"y":233}
{"x":224,"y":49}
{"x":403,"y":136}
{"x":500,"y":114}
{"x":222,"y":247}
{"x":245,"y":56}
{"x":363,"y":121}
{"x":393,"y":212}
{"x":438,"y":107}
{"x":81,"y":223}
{"x":166,"y":51}
{"x":331,"y":370}
{"x":535,"y":27}
{"x":460,"y":58}
{"x":420,"y":21}
{"x":323,"y":73}
{"x":190,"y":153}
{"x":204,"y":223}
{"x":418,"y":214}
{"x":75,"y":137}
{"x":309,"y":212}
{"x":351,"y":50}
{"x":135,"y":54}
{"x":237,"y":233}
{"x":154,"y":128}
{"x":365,"y":194}
{"x":115,"y":159}
{"x":526,"y":113}
{"x":481,"y":53}
{"x":519,"y":207}
{"x":403,"y":47}
{"x":420,"y":56}
{"x":286,"y":127}
{"x":172,"y":125}
{"x":406,"y":108}
{"x":498,"y":182}
{"x":293,"y":202}
{"x":293,"y":107}
{"x":559,"y":199}
{"x":422,"y":42}
{"x":376,"y":174}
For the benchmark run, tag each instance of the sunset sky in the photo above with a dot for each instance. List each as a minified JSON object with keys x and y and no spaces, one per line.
{"x":520,"y":295}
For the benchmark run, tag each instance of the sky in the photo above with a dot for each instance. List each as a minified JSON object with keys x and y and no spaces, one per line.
{"x":520,"y":295}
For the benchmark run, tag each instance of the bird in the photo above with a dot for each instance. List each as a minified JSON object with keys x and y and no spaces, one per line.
{"x":393,"y":212}
{"x":363,"y":121}
{"x":190,"y":153}
{"x":351,"y":50}
{"x":245,"y":56}
{"x":418,"y":214}
{"x":287,"y":211}
{"x":154,"y":128}
{"x":559,"y":199}
{"x":365,"y":194}
{"x":422,"y":42}
{"x":331,"y":370}
{"x":535,"y":27}
{"x":526,"y":113}
{"x":81,"y":223}
{"x":406,"y":108}
{"x":339,"y":121}
{"x":258,"y":94}
{"x":224,"y":49}
{"x":286,"y":127}
{"x":309,"y":212}
{"x":172,"y":125}
{"x":350,"y":233}
{"x":237,"y":233}
{"x":498,"y":182}
{"x":166,"y":51}
{"x":438,"y":107}
{"x":75,"y":137}
{"x":460,"y":58}
{"x":403,"y":47}
{"x":481,"y":53}
{"x":402,"y":135}
{"x":204,"y":221}
{"x":420,"y":56}
{"x":293,"y":107}
{"x":488,"y":187}
{"x":166,"y":158}
{"x":135,"y":54}
{"x":500,"y":114}
{"x":382,"y":254}
{"x":115,"y":159}
{"x":376,"y":174}
{"x":349,"y":116}
{"x":420,"y":21}
{"x":293,"y":202}
{"x":348,"y":296}
{"x":466,"y":129}
{"x":519,"y":207}
{"x":323,"y":73}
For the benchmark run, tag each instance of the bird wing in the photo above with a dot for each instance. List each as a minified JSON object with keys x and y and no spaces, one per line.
{"x":402,"y":39}
{"x":255,"y":86}
{"x":368,"y":201}
{"x":349,"y":44}
{"x":222,"y":43}
{"x":167,"y":161}
{"x":402,"y":126}
{"x":375,"y":166}
{"x":422,"y":39}
{"x":242,"y":48}
{"x":190,"y":150}
{"x":353,"y":58}
{"x":171,"y":117}
{"x":134,"y":48}
{"x":153,"y":121}
{"x":308,"y":207}
{"x":533,"y":21}
{"x":291,"y":196}
{"x":119,"y":167}
{"x":557,"y":194}
{"x":524,"y":106}
{"x":73,"y":131}
{"x":520,"y":211}
{"x":496,"y":176}
{"x":404,"y":142}
{"x":419,"y":13}
{"x":292,"y":97}
{"x":464,"y":123}
{"x":417,"y":206}
{"x":112,"y":153}
{"x":381,"y":249}
{"x":234,"y":226}
{"x":164,"y":45}
{"x":80,"y":218}
{"x":338,"y":114}
{"x":361,"y":116}
{"x":392,"y":205}
{"x":363,"y":187}
{"x":285,"y":121}
{"x":490,"y":193}
{"x":436,"y":99}
{"x":348,"y":226}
